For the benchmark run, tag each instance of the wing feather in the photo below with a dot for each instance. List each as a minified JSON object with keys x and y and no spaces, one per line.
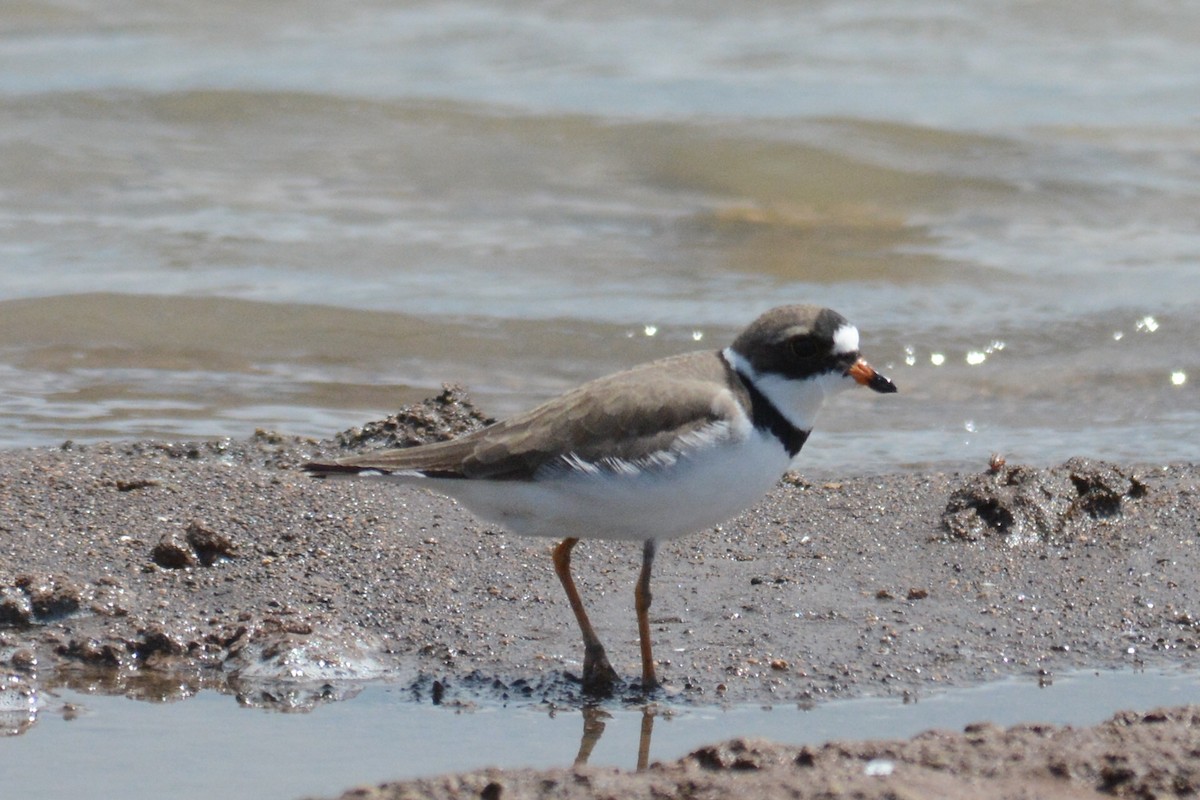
{"x":625,"y":417}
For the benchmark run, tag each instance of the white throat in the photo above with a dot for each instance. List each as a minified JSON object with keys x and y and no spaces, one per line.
{"x":798,"y":400}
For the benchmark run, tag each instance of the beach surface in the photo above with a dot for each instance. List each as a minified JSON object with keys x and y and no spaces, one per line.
{"x":151,"y":569}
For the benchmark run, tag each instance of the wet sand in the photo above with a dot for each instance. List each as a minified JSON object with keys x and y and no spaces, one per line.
{"x":1136,"y":755}
{"x":156,"y":568}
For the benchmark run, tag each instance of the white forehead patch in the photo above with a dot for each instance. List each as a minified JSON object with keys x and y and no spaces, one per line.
{"x":845,"y":340}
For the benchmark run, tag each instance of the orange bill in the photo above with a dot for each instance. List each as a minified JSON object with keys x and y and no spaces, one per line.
{"x":865,"y":374}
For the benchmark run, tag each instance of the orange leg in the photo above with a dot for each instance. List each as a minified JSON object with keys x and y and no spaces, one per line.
{"x":641,"y":596}
{"x":598,"y":675}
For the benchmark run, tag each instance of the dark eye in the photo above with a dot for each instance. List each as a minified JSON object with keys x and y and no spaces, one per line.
{"x":804,"y":348}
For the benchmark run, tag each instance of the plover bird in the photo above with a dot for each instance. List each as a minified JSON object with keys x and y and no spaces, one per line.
{"x":657,"y":451}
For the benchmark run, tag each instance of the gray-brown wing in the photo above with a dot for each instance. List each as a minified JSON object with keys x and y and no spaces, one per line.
{"x":625,"y":416}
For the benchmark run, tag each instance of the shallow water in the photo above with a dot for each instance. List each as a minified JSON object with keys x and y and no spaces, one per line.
{"x":237,"y":215}
{"x":86,"y":745}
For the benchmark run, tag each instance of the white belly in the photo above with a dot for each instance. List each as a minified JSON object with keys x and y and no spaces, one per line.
{"x":706,"y":488}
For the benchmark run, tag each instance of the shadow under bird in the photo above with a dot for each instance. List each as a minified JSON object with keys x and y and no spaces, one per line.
{"x":663,"y":449}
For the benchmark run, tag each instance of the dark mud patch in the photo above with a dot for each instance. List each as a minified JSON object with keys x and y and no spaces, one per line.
{"x":1026,"y":504}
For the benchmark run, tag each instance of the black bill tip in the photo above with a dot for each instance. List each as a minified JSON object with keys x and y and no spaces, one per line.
{"x":881,"y":384}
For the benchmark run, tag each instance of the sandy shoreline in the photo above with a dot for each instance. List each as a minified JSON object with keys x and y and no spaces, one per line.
{"x":219,"y":565}
{"x":1136,"y":755}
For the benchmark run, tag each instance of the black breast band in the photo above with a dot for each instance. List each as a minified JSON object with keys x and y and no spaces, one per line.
{"x":766,"y":416}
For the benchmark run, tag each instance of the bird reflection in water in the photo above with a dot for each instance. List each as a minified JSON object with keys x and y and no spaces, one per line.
{"x":593,"y":727}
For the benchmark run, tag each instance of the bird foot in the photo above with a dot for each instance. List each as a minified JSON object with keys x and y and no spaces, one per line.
{"x":599,"y":678}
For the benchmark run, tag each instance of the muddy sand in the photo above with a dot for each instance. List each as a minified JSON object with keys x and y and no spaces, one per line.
{"x":152,"y":568}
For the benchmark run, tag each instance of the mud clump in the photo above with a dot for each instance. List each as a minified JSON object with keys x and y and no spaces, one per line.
{"x":445,"y":416}
{"x":199,"y":545}
{"x":34,"y":599}
{"x":1026,"y":504}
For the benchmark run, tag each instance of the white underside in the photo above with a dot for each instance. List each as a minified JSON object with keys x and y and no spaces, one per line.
{"x":701,"y":488}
